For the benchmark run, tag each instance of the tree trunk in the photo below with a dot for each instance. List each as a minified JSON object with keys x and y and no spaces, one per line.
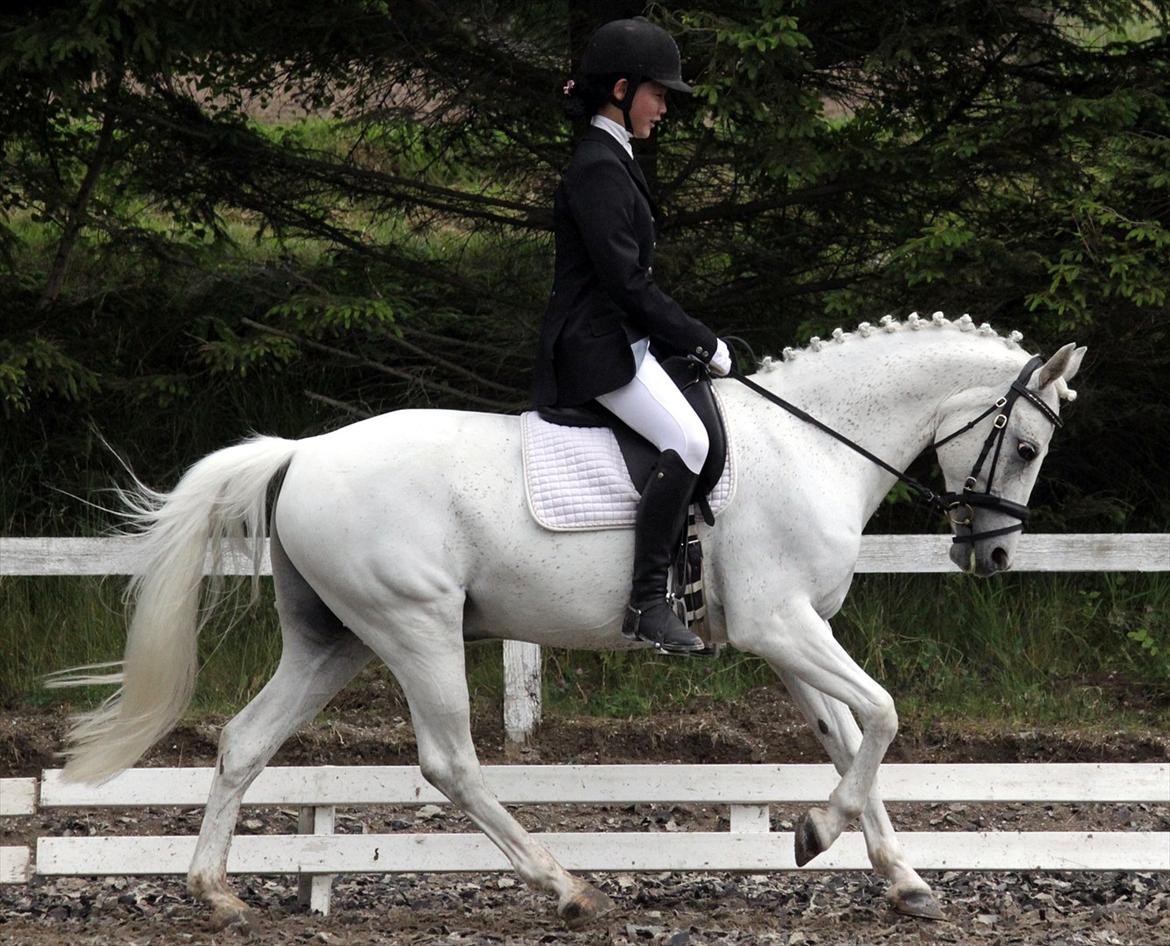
{"x":77,"y":210}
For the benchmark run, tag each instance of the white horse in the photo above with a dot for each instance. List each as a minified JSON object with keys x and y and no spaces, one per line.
{"x":405,"y":535}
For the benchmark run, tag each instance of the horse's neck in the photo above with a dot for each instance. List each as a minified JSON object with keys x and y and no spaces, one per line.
{"x":888,"y":392}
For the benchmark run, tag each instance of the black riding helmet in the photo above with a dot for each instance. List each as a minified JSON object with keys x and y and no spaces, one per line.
{"x":638,"y":50}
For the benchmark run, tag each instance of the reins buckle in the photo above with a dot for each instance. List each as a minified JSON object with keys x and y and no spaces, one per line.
{"x":1000,"y":422}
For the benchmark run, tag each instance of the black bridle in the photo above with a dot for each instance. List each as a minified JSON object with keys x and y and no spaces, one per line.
{"x":969,"y":497}
{"x":949,"y":503}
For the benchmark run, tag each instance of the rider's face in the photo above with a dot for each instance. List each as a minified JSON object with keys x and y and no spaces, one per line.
{"x":648,"y":107}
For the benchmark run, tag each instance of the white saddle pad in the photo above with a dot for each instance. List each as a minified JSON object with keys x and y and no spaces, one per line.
{"x":576,"y":478}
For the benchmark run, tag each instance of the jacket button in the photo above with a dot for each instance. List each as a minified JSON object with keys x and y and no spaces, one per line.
{"x":649,"y":270}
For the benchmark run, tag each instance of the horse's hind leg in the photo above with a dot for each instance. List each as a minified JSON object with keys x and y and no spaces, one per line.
{"x":429,"y":664}
{"x":839,"y":733}
{"x":319,"y":657}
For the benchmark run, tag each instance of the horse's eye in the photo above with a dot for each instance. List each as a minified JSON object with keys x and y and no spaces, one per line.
{"x":1026,"y":451}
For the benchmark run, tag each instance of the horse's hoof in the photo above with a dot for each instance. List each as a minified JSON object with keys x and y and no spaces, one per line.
{"x":584,"y":906}
{"x":919,"y":903}
{"x":234,"y":918}
{"x":808,"y":839}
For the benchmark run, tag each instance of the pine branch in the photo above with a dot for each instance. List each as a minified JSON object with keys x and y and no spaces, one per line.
{"x":505,"y":406}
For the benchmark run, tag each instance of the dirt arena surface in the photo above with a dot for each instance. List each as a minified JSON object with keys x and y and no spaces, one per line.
{"x":677,"y":909}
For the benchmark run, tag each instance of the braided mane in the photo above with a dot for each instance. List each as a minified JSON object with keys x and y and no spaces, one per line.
{"x":913,"y":323}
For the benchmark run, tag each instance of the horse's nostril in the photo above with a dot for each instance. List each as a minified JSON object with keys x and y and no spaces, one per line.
{"x":1000,"y":557}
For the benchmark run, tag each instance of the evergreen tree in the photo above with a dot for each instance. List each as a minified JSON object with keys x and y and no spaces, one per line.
{"x":176,"y":267}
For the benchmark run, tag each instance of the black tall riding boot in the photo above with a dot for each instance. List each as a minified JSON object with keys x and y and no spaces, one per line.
{"x":657,"y":532}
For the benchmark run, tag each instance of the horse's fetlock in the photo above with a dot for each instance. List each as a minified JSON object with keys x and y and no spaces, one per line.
{"x":200,"y":886}
{"x":843,"y":811}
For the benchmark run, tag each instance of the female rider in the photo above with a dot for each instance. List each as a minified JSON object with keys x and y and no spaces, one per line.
{"x":605,"y":310}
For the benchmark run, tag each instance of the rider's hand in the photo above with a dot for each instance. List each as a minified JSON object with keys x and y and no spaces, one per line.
{"x":720,"y":363}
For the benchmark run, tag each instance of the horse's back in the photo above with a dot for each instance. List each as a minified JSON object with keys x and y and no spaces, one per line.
{"x":398,"y":437}
{"x":402,"y":475}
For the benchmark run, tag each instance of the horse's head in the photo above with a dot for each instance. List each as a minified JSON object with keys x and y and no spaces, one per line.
{"x":990,"y":451}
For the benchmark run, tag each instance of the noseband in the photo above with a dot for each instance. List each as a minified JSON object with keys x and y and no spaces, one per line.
{"x":949,"y":504}
{"x":969,"y":497}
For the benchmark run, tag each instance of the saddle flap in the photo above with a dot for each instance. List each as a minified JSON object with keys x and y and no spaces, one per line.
{"x":590,"y":414}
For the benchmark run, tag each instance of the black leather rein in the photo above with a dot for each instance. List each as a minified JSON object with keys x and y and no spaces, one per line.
{"x":948,"y":504}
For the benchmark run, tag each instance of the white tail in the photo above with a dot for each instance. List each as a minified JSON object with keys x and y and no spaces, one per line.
{"x":224,"y":495}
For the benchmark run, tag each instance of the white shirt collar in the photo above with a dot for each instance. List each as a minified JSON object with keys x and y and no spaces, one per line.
{"x":620,"y":134}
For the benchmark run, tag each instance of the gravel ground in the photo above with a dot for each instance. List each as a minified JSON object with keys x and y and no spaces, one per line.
{"x":671,"y":908}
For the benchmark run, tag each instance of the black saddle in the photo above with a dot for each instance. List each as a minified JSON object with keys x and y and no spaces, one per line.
{"x":639,"y":453}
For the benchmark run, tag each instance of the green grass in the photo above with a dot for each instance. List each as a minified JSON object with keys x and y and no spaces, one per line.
{"x":53,"y":623}
{"x":1059,"y":649}
{"x":1083,"y":650}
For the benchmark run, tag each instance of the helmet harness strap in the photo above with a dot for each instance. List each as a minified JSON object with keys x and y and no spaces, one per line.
{"x":625,"y":104}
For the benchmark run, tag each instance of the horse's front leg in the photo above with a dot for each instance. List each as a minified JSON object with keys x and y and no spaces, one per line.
{"x":797,"y":641}
{"x":838,"y":732}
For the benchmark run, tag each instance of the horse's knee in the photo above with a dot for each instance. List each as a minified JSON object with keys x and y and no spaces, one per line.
{"x":881,"y":717}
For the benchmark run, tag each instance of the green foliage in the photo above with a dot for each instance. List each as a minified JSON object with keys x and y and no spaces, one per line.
{"x":35,"y":367}
{"x":228,"y":352}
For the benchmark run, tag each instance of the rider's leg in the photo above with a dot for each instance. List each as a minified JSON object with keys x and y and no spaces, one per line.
{"x":653,"y":406}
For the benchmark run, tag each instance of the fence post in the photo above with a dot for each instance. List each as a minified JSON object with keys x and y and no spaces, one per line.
{"x":315,"y":890}
{"x":522,"y":696}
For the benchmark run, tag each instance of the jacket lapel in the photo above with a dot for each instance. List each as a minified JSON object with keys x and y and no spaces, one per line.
{"x":631,"y":164}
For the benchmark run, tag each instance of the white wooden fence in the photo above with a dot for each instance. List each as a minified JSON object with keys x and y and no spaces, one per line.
{"x":910,"y":554}
{"x":748,"y":790}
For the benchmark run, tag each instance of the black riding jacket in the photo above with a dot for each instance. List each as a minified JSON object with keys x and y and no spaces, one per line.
{"x":604,"y":296}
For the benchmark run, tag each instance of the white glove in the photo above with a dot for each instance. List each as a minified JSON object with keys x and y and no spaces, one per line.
{"x":720,"y":363}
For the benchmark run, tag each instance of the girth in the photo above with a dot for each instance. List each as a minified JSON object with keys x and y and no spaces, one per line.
{"x":638,"y":452}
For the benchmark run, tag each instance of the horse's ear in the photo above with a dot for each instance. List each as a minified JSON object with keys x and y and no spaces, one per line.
{"x":1063,"y":364}
{"x":1074,"y":363}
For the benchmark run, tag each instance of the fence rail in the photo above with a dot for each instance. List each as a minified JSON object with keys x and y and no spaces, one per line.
{"x":747,"y":791}
{"x":909,"y":554}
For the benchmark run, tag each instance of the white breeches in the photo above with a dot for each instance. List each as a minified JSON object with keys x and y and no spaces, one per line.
{"x":654,"y":406}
